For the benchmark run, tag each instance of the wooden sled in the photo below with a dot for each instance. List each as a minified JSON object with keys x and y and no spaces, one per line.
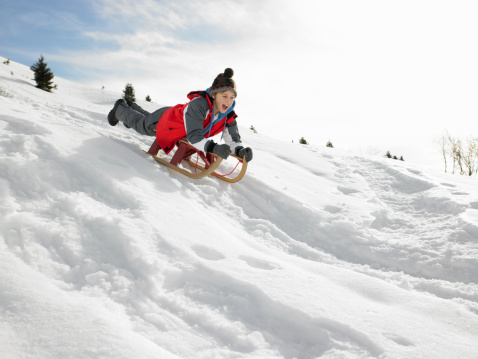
{"x":211,"y":162}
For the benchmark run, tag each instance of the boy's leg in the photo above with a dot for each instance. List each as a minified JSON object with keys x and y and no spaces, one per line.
{"x":138,"y":121}
{"x":138,"y":108}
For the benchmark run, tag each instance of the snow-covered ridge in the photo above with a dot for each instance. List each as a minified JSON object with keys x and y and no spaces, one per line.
{"x":315,"y":253}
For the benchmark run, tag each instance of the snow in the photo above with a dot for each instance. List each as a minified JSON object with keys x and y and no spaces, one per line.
{"x":316,"y":252}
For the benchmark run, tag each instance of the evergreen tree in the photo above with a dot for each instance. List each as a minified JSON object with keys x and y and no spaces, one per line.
{"x":253,"y":129}
{"x":329,"y":144}
{"x":388,"y":155}
{"x":148,"y":98}
{"x":128,"y":93}
{"x":401,"y":158}
{"x":6,"y":62}
{"x":43,"y":75}
{"x":303,"y":141}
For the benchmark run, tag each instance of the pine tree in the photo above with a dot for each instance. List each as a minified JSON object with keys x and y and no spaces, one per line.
{"x":303,"y":141}
{"x":401,"y":158}
{"x":253,"y":129}
{"x":148,"y":98}
{"x":388,"y":155}
{"x":329,"y":144}
{"x":6,"y":62}
{"x":128,"y":93}
{"x":43,"y":75}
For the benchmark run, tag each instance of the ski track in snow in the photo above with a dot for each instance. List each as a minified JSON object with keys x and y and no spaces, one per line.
{"x":416,"y":250}
{"x":164,"y":266}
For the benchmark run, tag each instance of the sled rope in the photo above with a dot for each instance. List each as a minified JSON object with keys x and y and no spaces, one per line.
{"x":216,"y":174}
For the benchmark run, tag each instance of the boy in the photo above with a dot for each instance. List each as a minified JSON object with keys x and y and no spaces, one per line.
{"x":208,"y":113}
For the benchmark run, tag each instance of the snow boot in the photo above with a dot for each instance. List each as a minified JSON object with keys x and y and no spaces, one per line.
{"x":113,"y":121}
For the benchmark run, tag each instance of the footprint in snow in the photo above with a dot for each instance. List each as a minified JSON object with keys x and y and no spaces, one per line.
{"x":416,"y":172}
{"x":208,"y":253}
{"x":399,"y":339}
{"x":347,"y":191}
{"x":460,"y":193}
{"x":259,"y":263}
{"x":332,"y":209}
{"x":318,"y":173}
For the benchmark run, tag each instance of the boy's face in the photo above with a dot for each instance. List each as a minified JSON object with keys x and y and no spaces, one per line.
{"x":223,"y":100}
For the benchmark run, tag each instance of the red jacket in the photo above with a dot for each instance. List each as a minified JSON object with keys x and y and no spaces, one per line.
{"x":171,"y":126}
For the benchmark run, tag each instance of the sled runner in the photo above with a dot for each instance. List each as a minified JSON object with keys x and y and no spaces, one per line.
{"x":210,"y":162}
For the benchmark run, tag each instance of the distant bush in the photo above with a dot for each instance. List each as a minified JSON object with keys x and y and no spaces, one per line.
{"x":303,"y":141}
{"x":329,"y":144}
{"x":388,"y":155}
{"x":6,"y":62}
{"x":43,"y":75}
{"x":128,"y":93}
{"x":148,"y":98}
{"x":253,"y":129}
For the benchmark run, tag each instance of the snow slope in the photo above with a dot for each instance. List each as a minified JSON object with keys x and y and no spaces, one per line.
{"x":315,"y":253}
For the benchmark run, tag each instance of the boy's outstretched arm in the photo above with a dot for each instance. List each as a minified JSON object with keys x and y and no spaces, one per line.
{"x":233,"y":139}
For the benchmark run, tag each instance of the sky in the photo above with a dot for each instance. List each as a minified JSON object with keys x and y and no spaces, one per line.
{"x":370,"y":76}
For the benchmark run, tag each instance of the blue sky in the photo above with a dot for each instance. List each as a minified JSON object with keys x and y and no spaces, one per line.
{"x":370,"y":76}
{"x":49,"y":27}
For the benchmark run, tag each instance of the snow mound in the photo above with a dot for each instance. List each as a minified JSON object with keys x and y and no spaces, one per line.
{"x":315,"y":253}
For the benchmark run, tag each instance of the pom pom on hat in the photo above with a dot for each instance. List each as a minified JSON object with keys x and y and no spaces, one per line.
{"x":228,"y":73}
{"x":224,"y":82}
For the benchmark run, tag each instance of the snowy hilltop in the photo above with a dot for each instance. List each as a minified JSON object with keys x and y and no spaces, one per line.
{"x":315,"y":253}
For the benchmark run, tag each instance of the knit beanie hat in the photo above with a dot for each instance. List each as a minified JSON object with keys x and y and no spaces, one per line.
{"x":224,"y":82}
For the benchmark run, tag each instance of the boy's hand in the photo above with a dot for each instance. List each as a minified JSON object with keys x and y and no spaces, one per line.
{"x":244,"y":152}
{"x":222,"y":150}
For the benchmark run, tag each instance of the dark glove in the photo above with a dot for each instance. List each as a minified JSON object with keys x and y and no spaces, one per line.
{"x":247,"y":152}
{"x":222,"y":150}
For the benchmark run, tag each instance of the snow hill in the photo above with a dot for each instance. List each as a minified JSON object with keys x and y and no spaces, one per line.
{"x":316,"y":253}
